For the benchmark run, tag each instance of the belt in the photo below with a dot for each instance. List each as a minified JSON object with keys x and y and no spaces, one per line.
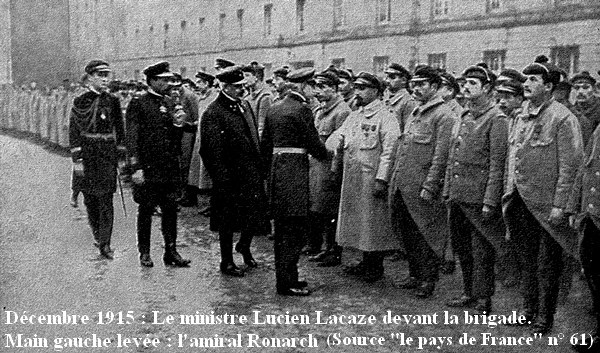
{"x":105,"y":137}
{"x":280,"y":150}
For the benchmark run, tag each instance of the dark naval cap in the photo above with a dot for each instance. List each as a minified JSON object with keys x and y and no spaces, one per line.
{"x":397,"y":69}
{"x":481,"y":73}
{"x":160,"y":69}
{"x":449,"y":80}
{"x":232,"y":75}
{"x":426,"y":73}
{"x":221,"y":63}
{"x":583,"y":76}
{"x":301,"y":75}
{"x":512,"y":86}
{"x":511,"y":74}
{"x":369,"y":80}
{"x":542,"y":66}
{"x":327,"y":77}
{"x":96,"y":66}
{"x":282,"y":72}
{"x":205,"y":76}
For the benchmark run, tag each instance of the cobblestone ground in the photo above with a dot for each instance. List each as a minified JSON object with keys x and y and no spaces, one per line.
{"x":48,"y":265}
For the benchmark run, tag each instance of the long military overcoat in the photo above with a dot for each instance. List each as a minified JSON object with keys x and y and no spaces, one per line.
{"x":370,"y":136}
{"x":230,"y":151}
{"x":421,"y":164}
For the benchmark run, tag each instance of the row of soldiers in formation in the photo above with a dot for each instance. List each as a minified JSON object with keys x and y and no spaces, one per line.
{"x":377,"y":165}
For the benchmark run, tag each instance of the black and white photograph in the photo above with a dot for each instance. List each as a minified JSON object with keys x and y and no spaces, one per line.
{"x":299,"y":176}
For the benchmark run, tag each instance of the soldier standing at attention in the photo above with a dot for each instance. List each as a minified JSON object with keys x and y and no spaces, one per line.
{"x":259,"y":96}
{"x":289,"y":136}
{"x":587,"y":105}
{"x":154,"y":145}
{"x":96,"y":137}
{"x":367,"y":143}
{"x":396,"y":96}
{"x":545,"y":150}
{"x":417,"y":212}
{"x":473,"y":188}
{"x":325,"y":184}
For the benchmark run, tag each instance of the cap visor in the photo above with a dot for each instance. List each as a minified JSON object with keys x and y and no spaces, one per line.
{"x":363,"y":82}
{"x":165,"y":74}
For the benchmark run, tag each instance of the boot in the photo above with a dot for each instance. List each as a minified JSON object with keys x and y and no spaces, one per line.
{"x":247,"y":255}
{"x":172,"y":257}
{"x":106,"y":251}
{"x":333,"y":257}
{"x":145,"y":260}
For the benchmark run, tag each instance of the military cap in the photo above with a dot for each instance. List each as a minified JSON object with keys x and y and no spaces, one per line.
{"x":513,"y":87}
{"x":369,"y":80}
{"x":221,"y":63}
{"x":583,"y":76}
{"x":282,"y":72}
{"x":426,"y":73}
{"x":397,"y":69}
{"x":345,"y":74}
{"x":255,"y":69}
{"x":563,"y":86}
{"x":449,"y":80}
{"x":327,"y":77}
{"x":542,"y":66}
{"x":301,"y":75}
{"x":206,"y":77}
{"x":480,"y":72}
{"x":232,"y":75}
{"x":96,"y":66}
{"x":160,"y":69}
{"x":511,"y":74}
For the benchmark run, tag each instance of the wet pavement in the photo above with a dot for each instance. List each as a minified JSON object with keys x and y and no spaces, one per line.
{"x":48,"y":266}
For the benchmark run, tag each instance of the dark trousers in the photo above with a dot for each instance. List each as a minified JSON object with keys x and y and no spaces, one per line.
{"x":589,"y":250}
{"x":475,"y":253}
{"x":289,"y":238}
{"x":540,"y":256}
{"x":100,"y":216}
{"x":165,"y":197}
{"x":226,"y":244}
{"x":423,"y":263}
{"x":321,"y":227}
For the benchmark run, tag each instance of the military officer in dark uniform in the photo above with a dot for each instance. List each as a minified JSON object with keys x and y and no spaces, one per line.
{"x":154,"y":146}
{"x":96,"y":136}
{"x":289,"y":136}
{"x":230,"y":151}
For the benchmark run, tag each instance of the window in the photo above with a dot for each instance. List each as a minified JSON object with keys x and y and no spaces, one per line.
{"x":494,"y":59}
{"x":302,"y":64}
{"x":240,"y":19}
{"x":183,"y":24}
{"x":268,"y":13}
{"x":338,"y":13}
{"x":437,"y":61}
{"x":380,"y":63}
{"x":300,"y":14}
{"x":384,"y":11}
{"x":338,"y":62}
{"x":201,"y":21}
{"x":151,"y":29}
{"x":566,"y":58}
{"x":221,"y":27}
{"x":441,"y":8}
{"x":166,"y":27}
{"x":493,"y":5}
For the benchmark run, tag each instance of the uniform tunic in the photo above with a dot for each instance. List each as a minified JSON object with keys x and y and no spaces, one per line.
{"x":198,"y":176}
{"x":325,"y":184}
{"x":370,"y":140}
{"x":421,"y":164}
{"x":402,"y":104}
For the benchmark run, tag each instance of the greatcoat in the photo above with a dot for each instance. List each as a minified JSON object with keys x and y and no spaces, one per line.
{"x":370,"y":138}
{"x":198,"y":175}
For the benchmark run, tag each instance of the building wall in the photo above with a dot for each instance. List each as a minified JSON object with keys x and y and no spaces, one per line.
{"x":191,"y":33}
{"x":40,"y":41}
{"x":5,"y":46}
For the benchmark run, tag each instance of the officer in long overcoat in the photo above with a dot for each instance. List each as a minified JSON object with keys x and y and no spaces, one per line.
{"x":230,"y":151}
{"x":473,"y":188}
{"x":96,"y":136}
{"x":289,"y":136}
{"x":367,"y":141}
{"x":545,"y":150}
{"x":418,"y":215}
{"x":325,"y":184}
